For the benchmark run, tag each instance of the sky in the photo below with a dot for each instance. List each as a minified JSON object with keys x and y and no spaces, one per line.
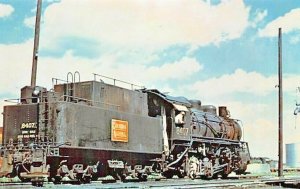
{"x":222,"y":52}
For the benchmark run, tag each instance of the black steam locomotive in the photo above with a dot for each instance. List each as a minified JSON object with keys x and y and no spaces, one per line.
{"x":89,"y":130}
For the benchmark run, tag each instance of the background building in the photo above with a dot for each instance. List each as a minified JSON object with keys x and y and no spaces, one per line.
{"x":293,"y":155}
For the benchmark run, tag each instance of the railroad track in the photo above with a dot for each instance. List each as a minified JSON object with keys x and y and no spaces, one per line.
{"x":242,"y":182}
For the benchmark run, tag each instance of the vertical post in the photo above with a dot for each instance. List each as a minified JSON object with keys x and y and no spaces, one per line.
{"x":280,"y":137}
{"x":36,"y":43}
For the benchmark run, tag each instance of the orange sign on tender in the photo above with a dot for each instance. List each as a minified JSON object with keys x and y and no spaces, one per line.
{"x":119,"y":130}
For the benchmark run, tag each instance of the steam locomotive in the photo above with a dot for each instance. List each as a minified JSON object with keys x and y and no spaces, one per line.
{"x":86,"y":130}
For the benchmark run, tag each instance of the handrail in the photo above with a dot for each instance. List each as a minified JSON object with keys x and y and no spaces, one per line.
{"x":117,"y":80}
{"x":76,"y":73}
{"x":54,"y":81}
{"x":72,"y":81}
{"x":87,"y":100}
{"x":45,"y":143}
{"x":18,"y":100}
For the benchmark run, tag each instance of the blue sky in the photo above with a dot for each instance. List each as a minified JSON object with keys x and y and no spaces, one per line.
{"x":223,"y":52}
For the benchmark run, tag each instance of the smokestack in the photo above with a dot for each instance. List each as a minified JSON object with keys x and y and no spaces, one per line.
{"x":223,"y":111}
{"x":36,"y":43}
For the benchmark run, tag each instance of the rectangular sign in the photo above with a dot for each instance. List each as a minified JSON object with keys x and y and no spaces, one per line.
{"x":119,"y":130}
{"x":28,"y":130}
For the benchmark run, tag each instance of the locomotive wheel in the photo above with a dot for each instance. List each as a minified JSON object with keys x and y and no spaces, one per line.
{"x":224,"y":176}
{"x":142,"y":177}
{"x":57,"y":179}
{"x":85,"y":180}
{"x":208,"y":174}
{"x":241,"y":170}
{"x":19,"y":170}
{"x":13,"y":173}
{"x":216,"y":176}
{"x":183,"y":170}
{"x":192,"y":175}
{"x":181,"y":173}
{"x":156,"y":167}
{"x":168,"y":174}
{"x":227,"y":170}
{"x":118,"y":176}
{"x":37,"y":183}
{"x":122,"y":176}
{"x":94,"y":177}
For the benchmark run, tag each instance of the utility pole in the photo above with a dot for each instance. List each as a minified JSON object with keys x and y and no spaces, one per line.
{"x":280,"y":130}
{"x":36,"y":43}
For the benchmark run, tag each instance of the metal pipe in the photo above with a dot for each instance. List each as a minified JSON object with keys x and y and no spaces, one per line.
{"x":280,"y":118}
{"x":74,"y":85}
{"x":36,"y":43}
{"x":116,"y":80}
{"x":76,"y":73}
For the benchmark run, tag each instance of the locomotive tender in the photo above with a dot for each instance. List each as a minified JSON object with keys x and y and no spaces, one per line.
{"x":91,"y":129}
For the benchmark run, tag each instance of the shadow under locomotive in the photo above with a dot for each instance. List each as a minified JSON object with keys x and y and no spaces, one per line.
{"x":86,"y":130}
